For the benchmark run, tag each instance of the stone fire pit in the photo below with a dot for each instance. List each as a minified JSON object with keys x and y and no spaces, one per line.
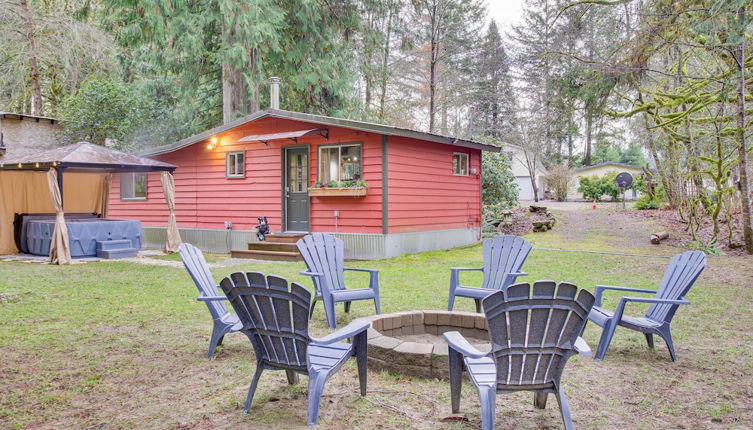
{"x":411,"y":343}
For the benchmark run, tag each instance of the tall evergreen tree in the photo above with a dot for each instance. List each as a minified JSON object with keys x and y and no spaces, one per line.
{"x":494,"y":111}
{"x":225,"y":49}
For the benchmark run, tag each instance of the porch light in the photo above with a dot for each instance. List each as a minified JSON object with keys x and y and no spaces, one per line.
{"x":212,"y":143}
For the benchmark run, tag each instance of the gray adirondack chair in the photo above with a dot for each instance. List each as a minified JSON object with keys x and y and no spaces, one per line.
{"x":533,"y":333}
{"x":503,"y":258}
{"x":275,"y":318}
{"x":324,"y":257}
{"x":679,"y":276}
{"x":224,"y":321}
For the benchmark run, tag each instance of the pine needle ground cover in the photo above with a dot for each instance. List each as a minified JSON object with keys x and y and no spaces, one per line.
{"x":122,"y":345}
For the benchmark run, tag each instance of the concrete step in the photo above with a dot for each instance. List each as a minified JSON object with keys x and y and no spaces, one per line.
{"x":284,"y":237}
{"x":117,"y":253}
{"x":109,"y":245}
{"x":272,"y":246}
{"x":266,"y":255}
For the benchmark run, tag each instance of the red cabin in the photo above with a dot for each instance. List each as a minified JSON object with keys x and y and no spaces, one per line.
{"x":383,"y":190}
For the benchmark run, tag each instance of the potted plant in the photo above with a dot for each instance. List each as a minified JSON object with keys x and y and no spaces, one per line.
{"x":355,"y":188}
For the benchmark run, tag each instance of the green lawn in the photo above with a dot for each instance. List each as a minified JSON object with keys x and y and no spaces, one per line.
{"x":123,"y":345}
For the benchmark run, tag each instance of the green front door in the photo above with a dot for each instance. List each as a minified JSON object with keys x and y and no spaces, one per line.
{"x":295,"y":188}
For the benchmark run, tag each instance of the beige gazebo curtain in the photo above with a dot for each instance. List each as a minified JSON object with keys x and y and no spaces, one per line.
{"x":104,"y":196}
{"x":172,"y":241}
{"x":60,"y":252}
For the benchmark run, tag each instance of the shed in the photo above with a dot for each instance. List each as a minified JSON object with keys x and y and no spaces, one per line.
{"x":384,"y":190}
{"x":73,"y":178}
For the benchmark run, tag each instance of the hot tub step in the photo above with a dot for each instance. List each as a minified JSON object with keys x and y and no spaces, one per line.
{"x":117,"y":253}
{"x":110,"y":245}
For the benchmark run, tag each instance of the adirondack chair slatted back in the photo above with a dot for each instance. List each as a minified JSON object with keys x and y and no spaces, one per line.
{"x":682,"y":272}
{"x":325,"y":254}
{"x":197,"y":267}
{"x":502,"y":255}
{"x":533,"y":331}
{"x":275,"y":317}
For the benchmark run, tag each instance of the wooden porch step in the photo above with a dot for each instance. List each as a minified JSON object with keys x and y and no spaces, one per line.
{"x":284,"y":237}
{"x":272,"y":246}
{"x":266,"y":255}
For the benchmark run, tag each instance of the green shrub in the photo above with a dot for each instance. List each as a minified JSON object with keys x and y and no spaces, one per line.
{"x":595,"y":187}
{"x":646,"y":202}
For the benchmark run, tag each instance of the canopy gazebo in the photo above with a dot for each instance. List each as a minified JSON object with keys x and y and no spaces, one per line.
{"x":73,"y":178}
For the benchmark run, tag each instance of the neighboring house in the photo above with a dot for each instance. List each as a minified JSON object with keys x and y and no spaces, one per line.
{"x":600,"y":170}
{"x":22,"y":135}
{"x":517,"y":156}
{"x":423,"y":190}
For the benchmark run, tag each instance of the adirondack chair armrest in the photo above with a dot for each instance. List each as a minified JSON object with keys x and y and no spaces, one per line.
{"x":373,"y":276}
{"x":353,"y":269}
{"x":349,"y":330}
{"x":599,"y":291}
{"x":456,"y":341}
{"x":581,"y":347}
{"x":203,"y":298}
{"x":625,"y":300}
{"x":459,"y":269}
{"x":654,"y":300}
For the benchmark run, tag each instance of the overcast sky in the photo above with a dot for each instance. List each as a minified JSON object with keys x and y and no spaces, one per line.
{"x":505,"y":12}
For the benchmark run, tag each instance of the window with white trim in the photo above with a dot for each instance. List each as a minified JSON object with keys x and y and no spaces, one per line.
{"x":235,"y":165}
{"x":460,"y":164}
{"x":133,"y":186}
{"x":339,"y":163}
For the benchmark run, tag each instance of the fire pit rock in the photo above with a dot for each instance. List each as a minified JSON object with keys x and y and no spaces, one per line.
{"x":411,"y":343}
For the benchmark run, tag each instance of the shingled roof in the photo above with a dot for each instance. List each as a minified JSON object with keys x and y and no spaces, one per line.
{"x":326,"y":121}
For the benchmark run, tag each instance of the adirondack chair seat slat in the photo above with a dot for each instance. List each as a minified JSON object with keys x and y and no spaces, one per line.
{"x":530,"y":345}
{"x":600,"y":316}
{"x":275,"y":317}
{"x":329,"y":355}
{"x":224,"y":321}
{"x":472,"y":292}
{"x":324,"y":256}
{"x":503,"y":258}
{"x":680,"y":275}
{"x":354,"y":294}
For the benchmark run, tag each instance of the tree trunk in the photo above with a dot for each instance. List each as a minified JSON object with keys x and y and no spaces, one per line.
{"x":234,"y":93}
{"x":385,"y":63}
{"x":37,"y":107}
{"x":433,"y":66}
{"x":432,"y":87}
{"x":742,"y":150}
{"x":589,"y":126}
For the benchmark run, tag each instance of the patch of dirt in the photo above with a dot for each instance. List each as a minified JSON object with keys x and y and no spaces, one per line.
{"x":521,"y":221}
{"x":679,"y":235}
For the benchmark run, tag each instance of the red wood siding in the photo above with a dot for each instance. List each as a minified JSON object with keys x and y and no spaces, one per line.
{"x":205,"y":198}
{"x":423,"y":192}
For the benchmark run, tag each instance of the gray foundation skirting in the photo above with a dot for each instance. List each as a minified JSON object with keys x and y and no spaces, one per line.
{"x":358,"y":246}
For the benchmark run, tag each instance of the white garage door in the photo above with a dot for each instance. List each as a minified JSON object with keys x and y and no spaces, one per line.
{"x":525,"y":188}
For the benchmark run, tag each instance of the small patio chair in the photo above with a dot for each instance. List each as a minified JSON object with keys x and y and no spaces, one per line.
{"x":679,"y":276}
{"x":324,"y":257}
{"x":224,"y":321}
{"x":503,"y":258}
{"x":533,"y":332}
{"x":275,"y":318}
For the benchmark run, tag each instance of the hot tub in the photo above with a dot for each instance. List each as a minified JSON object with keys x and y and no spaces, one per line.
{"x":83,"y":235}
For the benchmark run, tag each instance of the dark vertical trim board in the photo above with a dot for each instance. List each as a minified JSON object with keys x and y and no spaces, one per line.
{"x":385,"y":189}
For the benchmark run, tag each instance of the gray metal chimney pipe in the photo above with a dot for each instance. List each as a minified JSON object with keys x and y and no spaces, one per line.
{"x":274,"y":93}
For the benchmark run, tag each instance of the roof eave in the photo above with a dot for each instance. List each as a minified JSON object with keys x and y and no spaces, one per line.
{"x":321,"y":120}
